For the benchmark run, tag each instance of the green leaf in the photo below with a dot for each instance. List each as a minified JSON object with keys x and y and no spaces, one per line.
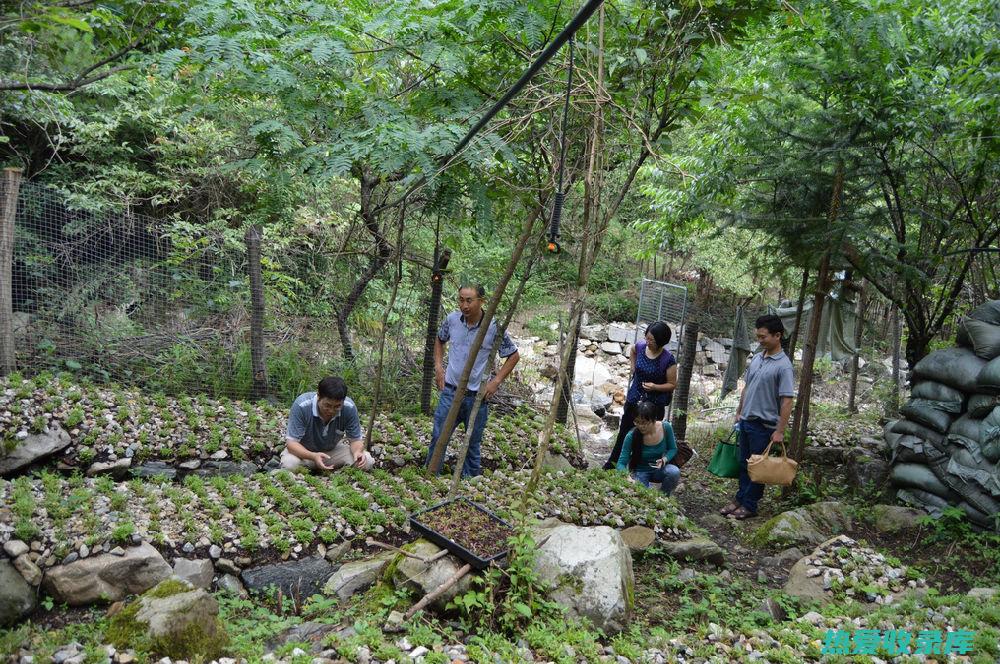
{"x":74,"y":365}
{"x":523,"y":609}
{"x":71,"y":21}
{"x":641,"y":55}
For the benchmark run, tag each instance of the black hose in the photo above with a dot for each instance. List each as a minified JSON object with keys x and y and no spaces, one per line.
{"x":581,"y":17}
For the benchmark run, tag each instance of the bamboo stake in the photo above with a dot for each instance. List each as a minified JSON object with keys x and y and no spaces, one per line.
{"x":436,"y":460}
{"x":456,"y":475}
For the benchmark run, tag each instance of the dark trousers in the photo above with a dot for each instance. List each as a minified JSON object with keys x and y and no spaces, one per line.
{"x":628,"y":422}
{"x":472,"y":466}
{"x":754,"y":438}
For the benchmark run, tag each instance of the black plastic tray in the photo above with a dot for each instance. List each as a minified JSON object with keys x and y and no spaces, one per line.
{"x":460,"y":551}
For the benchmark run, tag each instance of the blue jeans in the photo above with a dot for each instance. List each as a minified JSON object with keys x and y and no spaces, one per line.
{"x":471,"y":467}
{"x":669,"y":477}
{"x":754,"y":437}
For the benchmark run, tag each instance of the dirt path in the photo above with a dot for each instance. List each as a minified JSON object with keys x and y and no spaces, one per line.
{"x":700,"y":496}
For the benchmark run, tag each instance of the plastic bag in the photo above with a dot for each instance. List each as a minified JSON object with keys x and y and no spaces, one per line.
{"x":934,"y":391}
{"x":891,"y":437}
{"x":920,"y":431}
{"x":917,"y":476}
{"x":985,"y":474}
{"x":924,"y":500}
{"x":988,"y":380}
{"x":956,"y":367}
{"x":983,"y":338}
{"x":981,"y":405}
{"x":987,"y":313}
{"x":989,"y":439}
{"x":926,"y":412}
{"x":967,"y":432}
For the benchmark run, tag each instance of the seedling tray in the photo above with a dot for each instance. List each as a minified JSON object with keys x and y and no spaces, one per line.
{"x":419,"y":523}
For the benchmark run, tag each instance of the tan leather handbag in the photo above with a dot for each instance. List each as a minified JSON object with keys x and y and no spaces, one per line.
{"x":766,"y":469}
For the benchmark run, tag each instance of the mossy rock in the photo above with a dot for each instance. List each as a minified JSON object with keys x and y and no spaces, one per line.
{"x":174,"y":620}
{"x":811,"y":525}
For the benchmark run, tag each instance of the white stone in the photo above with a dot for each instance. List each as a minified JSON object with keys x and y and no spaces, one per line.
{"x":591,"y":569}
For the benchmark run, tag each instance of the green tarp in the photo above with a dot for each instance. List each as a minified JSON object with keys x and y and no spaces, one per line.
{"x":836,"y":334}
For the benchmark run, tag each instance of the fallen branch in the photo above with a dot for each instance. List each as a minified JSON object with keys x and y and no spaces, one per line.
{"x":437,"y":592}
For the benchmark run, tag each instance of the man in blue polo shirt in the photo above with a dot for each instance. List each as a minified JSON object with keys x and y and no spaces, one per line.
{"x":460,"y":329}
{"x":324,"y":430}
{"x":765,"y":406}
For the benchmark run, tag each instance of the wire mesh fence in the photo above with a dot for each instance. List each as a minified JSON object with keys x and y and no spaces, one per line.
{"x":102,"y":293}
{"x":662,"y":301}
{"x":162,"y":303}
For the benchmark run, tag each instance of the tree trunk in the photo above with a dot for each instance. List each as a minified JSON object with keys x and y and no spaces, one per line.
{"x":593,"y":185}
{"x":801,"y":416}
{"x":383,"y":252}
{"x":800,"y":420}
{"x":918,"y":343}
{"x":377,"y":396}
{"x":433,"y":315}
{"x":545,"y":437}
{"x":9,"y":188}
{"x":590,"y":242}
{"x":573,"y":339}
{"x":859,"y":325}
{"x":798,"y":314}
{"x":258,"y":364}
{"x":689,"y":347}
{"x":892,"y":406}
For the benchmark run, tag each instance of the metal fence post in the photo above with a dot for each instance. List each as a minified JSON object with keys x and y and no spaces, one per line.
{"x":9,"y":188}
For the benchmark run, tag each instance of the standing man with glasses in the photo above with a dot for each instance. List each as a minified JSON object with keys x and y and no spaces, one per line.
{"x":460,"y":329}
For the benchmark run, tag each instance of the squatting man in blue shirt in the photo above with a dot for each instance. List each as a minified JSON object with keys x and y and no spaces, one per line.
{"x":460,"y":329}
{"x":324,"y":430}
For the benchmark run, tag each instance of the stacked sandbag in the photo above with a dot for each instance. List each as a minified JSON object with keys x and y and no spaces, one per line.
{"x":946,"y":446}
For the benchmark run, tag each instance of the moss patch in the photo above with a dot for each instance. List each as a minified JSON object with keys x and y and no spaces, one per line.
{"x":195,"y":642}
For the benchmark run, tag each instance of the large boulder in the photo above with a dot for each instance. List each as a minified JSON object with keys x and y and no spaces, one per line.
{"x":638,"y":538}
{"x":17,"y":598}
{"x":423,"y":578}
{"x":611,"y":348}
{"x":895,"y":518}
{"x":590,"y":570}
{"x":35,"y":447}
{"x":296,"y":578}
{"x":589,"y":371}
{"x":841,"y":566}
{"x":871,"y":475}
{"x":107,"y":577}
{"x":622,"y":334}
{"x":173,"y":619}
{"x":357,"y":576}
{"x":696,"y":548}
{"x":807,"y":525}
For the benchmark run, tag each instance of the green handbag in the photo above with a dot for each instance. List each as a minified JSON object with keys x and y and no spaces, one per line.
{"x":726,"y":458}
